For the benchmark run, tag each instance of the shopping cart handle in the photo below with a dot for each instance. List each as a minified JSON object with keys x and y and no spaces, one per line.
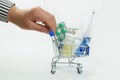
{"x":51,"y":33}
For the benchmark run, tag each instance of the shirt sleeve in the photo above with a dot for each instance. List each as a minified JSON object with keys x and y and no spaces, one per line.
{"x":5,"y":6}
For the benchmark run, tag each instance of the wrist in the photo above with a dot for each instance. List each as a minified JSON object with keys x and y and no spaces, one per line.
{"x":11,"y":13}
{"x":15,"y":15}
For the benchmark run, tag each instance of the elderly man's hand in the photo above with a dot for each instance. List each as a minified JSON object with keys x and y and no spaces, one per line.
{"x":33,"y":19}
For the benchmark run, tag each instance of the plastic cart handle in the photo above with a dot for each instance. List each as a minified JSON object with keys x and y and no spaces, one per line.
{"x":51,"y":33}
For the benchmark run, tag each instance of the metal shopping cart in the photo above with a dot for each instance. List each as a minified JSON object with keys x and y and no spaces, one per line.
{"x":68,"y":45}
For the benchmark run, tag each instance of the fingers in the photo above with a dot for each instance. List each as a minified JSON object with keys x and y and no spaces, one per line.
{"x":50,"y":22}
{"x":46,"y":18}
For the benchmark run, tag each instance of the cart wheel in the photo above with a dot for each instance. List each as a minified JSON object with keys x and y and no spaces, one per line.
{"x":53,"y":67}
{"x":79,"y":71}
{"x":79,"y":68}
{"x":53,"y":71}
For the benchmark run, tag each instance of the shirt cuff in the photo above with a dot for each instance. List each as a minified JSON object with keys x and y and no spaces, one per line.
{"x":5,"y":6}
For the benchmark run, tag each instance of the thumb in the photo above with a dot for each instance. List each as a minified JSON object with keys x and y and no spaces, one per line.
{"x":39,"y":27}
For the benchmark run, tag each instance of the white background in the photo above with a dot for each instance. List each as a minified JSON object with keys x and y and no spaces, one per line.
{"x":26,"y":55}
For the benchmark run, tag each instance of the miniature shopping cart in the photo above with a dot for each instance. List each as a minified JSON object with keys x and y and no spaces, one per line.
{"x":68,"y":45}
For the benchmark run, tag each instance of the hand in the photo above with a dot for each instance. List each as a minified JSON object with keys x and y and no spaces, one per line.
{"x":33,"y":19}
